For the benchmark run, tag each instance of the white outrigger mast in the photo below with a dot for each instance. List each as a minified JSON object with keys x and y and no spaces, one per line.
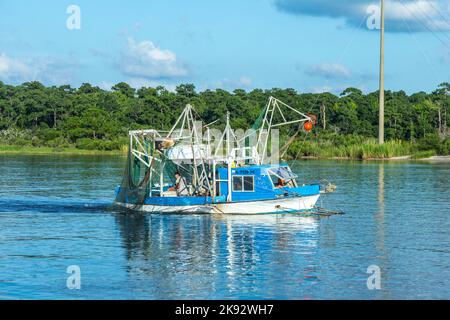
{"x":274,"y":117}
{"x":185,"y":147}
{"x":189,"y":148}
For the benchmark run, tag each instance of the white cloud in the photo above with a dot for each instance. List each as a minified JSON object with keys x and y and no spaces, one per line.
{"x":321,"y":89}
{"x":226,"y":83}
{"x":138,"y":83}
{"x":13,"y":69}
{"x":106,"y":85}
{"x":245,"y":81}
{"x":146,"y":60}
{"x":337,"y":90}
{"x":329,"y":71}
{"x":420,"y":15}
{"x":45,"y":69}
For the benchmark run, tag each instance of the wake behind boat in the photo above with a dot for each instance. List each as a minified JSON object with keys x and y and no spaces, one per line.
{"x":187,"y":170}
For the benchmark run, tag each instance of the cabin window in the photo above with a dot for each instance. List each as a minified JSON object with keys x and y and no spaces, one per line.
{"x":249,"y":183}
{"x":244,"y":183}
{"x":237,"y":183}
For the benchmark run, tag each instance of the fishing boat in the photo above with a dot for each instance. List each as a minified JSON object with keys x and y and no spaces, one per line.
{"x":194,"y":168}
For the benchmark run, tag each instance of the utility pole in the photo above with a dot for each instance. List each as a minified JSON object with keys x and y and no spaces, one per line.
{"x":381,"y":109}
{"x":228,"y":128}
{"x":440,"y":120}
{"x":322,"y":112}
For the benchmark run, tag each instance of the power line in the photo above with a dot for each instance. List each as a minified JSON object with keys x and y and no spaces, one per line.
{"x":431,"y":19}
{"x":421,"y":20}
{"x":427,"y":59}
{"x":432,"y":31}
{"x":439,"y":12}
{"x":342,"y":54}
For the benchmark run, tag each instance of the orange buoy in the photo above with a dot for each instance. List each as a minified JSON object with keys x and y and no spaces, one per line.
{"x":308,"y":126}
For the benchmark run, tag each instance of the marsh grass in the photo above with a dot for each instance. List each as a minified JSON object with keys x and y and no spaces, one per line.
{"x":423,"y":154}
{"x":368,"y":149}
{"x":353,"y":148}
{"x":7,"y":149}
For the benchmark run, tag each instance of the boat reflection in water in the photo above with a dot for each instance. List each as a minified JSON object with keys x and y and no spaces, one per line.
{"x":220,"y":256}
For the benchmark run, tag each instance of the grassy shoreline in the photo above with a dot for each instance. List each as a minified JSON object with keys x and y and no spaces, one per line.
{"x":402,"y":158}
{"x":326,"y":154}
{"x":363,"y":150}
{"x":6,"y":149}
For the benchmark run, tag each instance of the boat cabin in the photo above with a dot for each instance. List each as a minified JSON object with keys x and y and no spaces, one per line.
{"x":262,"y":182}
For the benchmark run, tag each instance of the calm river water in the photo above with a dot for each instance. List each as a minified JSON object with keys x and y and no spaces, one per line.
{"x":55,"y":212}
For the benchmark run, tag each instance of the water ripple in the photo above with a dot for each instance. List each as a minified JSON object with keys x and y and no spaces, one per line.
{"x":56,"y":212}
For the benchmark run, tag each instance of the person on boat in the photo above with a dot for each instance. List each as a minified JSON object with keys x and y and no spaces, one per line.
{"x":281,"y":183}
{"x":181,"y":186}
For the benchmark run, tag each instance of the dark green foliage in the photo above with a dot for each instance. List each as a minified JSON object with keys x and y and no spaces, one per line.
{"x":444,"y":147}
{"x":95,"y":119}
{"x":430,"y":141}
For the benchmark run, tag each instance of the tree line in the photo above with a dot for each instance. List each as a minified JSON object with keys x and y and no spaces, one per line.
{"x":89,"y":117}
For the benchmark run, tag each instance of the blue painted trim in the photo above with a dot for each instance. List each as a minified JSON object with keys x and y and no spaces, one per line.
{"x":263,"y":189}
{"x":177,"y":201}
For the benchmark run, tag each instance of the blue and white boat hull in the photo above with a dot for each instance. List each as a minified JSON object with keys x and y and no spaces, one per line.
{"x":274,"y":206}
{"x":283,"y":205}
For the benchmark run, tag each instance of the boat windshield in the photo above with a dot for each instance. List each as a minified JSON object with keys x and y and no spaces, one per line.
{"x":284,"y":173}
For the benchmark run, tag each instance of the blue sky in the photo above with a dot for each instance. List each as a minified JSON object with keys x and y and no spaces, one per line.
{"x":309,"y":45}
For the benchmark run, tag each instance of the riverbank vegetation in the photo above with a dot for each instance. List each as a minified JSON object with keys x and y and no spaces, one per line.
{"x":8,"y":149}
{"x":359,"y":147}
{"x":89,"y":118}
